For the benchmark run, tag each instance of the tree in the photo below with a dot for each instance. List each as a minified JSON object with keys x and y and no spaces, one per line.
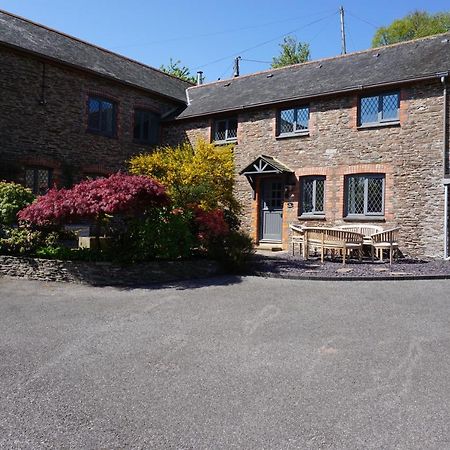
{"x":128,"y":195}
{"x":174,"y":68}
{"x":194,"y":175}
{"x":292,"y":52}
{"x":415,"y":25}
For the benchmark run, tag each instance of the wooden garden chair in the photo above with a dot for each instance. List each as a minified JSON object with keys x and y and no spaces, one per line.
{"x":386,"y":240}
{"x":298,"y":238}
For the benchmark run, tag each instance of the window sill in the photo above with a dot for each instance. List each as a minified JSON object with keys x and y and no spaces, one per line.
{"x":364,"y":219}
{"x":394,"y":123}
{"x":293,"y":135}
{"x":312,"y":217}
{"x":231,"y":141}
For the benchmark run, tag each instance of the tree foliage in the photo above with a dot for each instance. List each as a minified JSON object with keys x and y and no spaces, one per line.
{"x":415,"y":25}
{"x":118,"y":194}
{"x":177,"y":70}
{"x":292,"y":52}
{"x":194,"y":175}
{"x":13,"y":198}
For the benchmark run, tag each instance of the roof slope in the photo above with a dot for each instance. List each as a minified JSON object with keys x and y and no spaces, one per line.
{"x":395,"y":63}
{"x":24,"y":34}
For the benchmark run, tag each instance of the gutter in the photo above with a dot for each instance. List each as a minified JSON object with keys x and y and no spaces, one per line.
{"x":81,"y":68}
{"x":356,"y":88}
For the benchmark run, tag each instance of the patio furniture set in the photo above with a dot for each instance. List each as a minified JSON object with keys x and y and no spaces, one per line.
{"x":345,"y":240}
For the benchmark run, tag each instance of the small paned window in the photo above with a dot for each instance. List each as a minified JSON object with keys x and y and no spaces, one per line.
{"x":225,"y":130}
{"x":295,"y":120}
{"x":38,"y":180}
{"x":365,"y":195}
{"x":146,"y":126}
{"x":102,"y":116}
{"x":313,"y":195}
{"x":376,"y":109}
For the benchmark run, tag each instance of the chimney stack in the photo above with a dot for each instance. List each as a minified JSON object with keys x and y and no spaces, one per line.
{"x":199,"y":78}
{"x":236,"y":66}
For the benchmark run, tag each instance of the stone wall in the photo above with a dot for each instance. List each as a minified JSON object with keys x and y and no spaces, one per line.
{"x":410,"y":154}
{"x":106,"y":274}
{"x":43,"y":119}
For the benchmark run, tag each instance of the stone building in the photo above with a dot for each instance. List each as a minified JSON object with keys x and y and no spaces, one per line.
{"x":359,"y":138}
{"x":71,"y":110}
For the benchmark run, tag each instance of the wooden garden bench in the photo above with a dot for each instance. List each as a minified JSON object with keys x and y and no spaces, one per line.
{"x":334,"y":239}
{"x":366,"y":230}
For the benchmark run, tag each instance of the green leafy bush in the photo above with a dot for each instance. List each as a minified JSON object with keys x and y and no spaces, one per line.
{"x":13,"y":198}
{"x":27,"y":241}
{"x":21,"y":241}
{"x":233,"y":251}
{"x":161,"y":234}
{"x":59,"y":252}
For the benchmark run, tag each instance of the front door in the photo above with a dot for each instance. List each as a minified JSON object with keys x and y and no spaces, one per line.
{"x":271,"y":209}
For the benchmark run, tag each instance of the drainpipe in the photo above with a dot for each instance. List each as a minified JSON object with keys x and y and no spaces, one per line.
{"x":446,"y":221}
{"x":43,"y":100}
{"x":445,"y":152}
{"x":445,"y":123}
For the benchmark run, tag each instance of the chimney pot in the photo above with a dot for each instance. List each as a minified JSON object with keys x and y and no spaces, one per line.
{"x":199,"y":78}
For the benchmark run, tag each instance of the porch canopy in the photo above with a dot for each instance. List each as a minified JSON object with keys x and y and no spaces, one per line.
{"x":264,"y":165}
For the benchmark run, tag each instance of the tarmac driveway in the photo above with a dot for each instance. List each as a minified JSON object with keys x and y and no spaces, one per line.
{"x":226,"y":363}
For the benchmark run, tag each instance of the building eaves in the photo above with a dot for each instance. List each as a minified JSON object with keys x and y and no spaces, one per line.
{"x":23,"y":34}
{"x":399,"y":63}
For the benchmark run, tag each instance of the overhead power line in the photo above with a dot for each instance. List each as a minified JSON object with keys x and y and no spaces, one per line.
{"x":256,"y":61}
{"x":265,"y":42}
{"x":362,"y":20}
{"x":215,"y":33}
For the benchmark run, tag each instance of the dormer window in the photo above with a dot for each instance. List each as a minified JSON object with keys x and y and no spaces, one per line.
{"x":225,"y":130}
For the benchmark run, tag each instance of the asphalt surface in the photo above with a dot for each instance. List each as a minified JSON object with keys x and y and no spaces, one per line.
{"x":226,"y":363}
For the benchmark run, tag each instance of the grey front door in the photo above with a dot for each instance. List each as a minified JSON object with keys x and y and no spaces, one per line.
{"x":271,"y":209}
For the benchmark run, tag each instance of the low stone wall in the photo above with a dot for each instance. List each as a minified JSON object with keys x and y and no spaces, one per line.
{"x":103,"y":273}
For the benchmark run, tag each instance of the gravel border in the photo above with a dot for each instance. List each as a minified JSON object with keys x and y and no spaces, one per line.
{"x":284,"y":265}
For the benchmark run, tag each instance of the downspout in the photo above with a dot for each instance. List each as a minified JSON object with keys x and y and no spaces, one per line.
{"x":43,"y":100}
{"x":445,"y":155}
{"x":446,"y":221}
{"x":445,"y":125}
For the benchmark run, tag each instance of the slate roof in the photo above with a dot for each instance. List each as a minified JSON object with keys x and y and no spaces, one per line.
{"x":407,"y":61}
{"x":21,"y":33}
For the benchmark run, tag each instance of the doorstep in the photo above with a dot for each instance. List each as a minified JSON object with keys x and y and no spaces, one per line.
{"x":269,"y":247}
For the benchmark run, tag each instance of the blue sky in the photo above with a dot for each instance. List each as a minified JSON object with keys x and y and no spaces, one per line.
{"x":206,"y":35}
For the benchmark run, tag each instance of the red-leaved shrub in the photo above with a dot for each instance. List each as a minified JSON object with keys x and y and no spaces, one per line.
{"x":118,"y":194}
{"x":211,"y":224}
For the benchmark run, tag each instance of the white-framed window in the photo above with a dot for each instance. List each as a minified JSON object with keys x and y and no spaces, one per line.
{"x":364,"y":195}
{"x":292,"y":121}
{"x":379,"y":109}
{"x":312,"y":195}
{"x":225,"y":130}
